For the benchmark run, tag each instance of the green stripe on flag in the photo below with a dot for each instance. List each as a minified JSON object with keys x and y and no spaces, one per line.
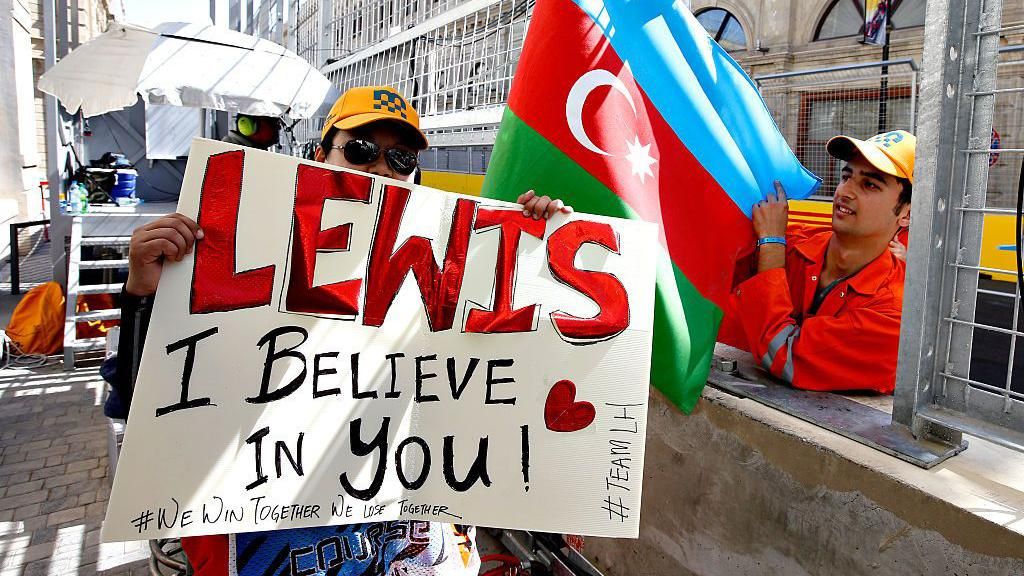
{"x":685,"y":323}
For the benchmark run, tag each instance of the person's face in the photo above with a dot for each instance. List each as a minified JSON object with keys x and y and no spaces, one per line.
{"x":865,"y":202}
{"x":384,"y":134}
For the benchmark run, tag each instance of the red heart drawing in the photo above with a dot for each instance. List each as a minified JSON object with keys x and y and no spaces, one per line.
{"x":561,"y":411}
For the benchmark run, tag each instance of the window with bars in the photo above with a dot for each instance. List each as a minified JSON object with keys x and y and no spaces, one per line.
{"x":460,"y":159}
{"x":307,"y":30}
{"x":463,"y":64}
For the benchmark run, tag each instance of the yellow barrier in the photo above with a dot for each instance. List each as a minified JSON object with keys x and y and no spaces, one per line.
{"x":454,"y":182}
{"x":997,"y":238}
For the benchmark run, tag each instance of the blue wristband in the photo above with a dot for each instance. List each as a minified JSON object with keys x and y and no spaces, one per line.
{"x":771,"y":240}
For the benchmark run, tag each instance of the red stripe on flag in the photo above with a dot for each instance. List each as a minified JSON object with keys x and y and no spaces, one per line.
{"x":703,"y":230}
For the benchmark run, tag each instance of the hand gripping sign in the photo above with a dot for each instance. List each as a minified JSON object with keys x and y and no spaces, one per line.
{"x":343,"y":349}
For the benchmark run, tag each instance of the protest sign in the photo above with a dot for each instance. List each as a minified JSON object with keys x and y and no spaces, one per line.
{"x":343,"y":349}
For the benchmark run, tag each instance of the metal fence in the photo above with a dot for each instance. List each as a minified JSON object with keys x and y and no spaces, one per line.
{"x":29,"y":262}
{"x":959,"y":365}
{"x":457,"y":159}
{"x":859,"y":100}
{"x":462,"y":64}
{"x":972,"y":305}
{"x":1007,"y":127}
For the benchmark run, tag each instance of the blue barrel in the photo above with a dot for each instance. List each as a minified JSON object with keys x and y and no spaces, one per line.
{"x":124,"y":184}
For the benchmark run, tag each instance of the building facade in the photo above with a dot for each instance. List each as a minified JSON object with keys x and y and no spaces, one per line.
{"x":23,"y":145}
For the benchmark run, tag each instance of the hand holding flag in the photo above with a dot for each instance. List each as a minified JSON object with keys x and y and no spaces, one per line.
{"x":629,"y":109}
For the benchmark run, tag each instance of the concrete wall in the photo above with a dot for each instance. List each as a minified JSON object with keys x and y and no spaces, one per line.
{"x":737,"y":488}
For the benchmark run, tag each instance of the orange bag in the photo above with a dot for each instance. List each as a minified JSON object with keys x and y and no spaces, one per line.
{"x":37,"y":324}
{"x":95,"y":328}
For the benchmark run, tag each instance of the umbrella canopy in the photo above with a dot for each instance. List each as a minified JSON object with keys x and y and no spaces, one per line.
{"x":185,"y":64}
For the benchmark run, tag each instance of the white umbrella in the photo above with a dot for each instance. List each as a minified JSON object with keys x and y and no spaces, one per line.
{"x":184,"y":64}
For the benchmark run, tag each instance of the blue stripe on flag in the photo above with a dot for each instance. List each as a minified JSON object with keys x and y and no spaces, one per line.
{"x":708,"y":100}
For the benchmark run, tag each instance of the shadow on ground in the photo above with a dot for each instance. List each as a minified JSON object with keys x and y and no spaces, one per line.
{"x":54,"y":477}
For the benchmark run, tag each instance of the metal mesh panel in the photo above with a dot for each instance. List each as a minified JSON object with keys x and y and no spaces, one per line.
{"x":478,"y":159}
{"x":960,"y":368}
{"x":460,"y":159}
{"x":1008,"y":128}
{"x":362,"y":23}
{"x":428,"y":159}
{"x":307,"y":31}
{"x":463,"y":62}
{"x":477,"y":133}
{"x":29,"y":263}
{"x":860,"y":101}
{"x":993,"y":334}
{"x":461,"y":65}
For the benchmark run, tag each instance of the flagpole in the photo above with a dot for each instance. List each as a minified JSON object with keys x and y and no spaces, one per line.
{"x":883,"y":92}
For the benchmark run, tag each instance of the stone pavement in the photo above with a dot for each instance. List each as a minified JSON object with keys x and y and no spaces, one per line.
{"x":54,"y":480}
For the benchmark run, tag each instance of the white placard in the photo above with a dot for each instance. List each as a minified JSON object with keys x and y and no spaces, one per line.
{"x":265,"y":403}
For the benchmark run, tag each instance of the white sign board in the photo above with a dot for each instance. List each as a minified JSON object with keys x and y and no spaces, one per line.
{"x":344,"y":349}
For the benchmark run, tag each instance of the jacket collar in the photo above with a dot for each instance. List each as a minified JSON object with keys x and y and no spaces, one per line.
{"x":867,"y":281}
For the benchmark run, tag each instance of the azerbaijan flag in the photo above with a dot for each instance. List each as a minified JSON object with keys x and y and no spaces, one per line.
{"x":629,"y":109}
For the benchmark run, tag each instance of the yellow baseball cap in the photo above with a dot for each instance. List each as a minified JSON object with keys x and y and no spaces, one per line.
{"x":891,"y":152}
{"x":365,"y":104}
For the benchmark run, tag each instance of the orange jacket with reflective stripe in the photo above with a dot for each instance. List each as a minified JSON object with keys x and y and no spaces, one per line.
{"x":850,"y":344}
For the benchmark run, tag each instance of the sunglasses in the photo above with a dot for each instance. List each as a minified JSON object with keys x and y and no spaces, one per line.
{"x":361,"y":152}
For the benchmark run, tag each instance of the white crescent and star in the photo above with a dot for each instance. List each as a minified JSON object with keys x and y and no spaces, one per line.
{"x":639,"y":155}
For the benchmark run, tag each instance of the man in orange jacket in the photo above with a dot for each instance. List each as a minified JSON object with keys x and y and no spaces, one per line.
{"x":823,"y":310}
